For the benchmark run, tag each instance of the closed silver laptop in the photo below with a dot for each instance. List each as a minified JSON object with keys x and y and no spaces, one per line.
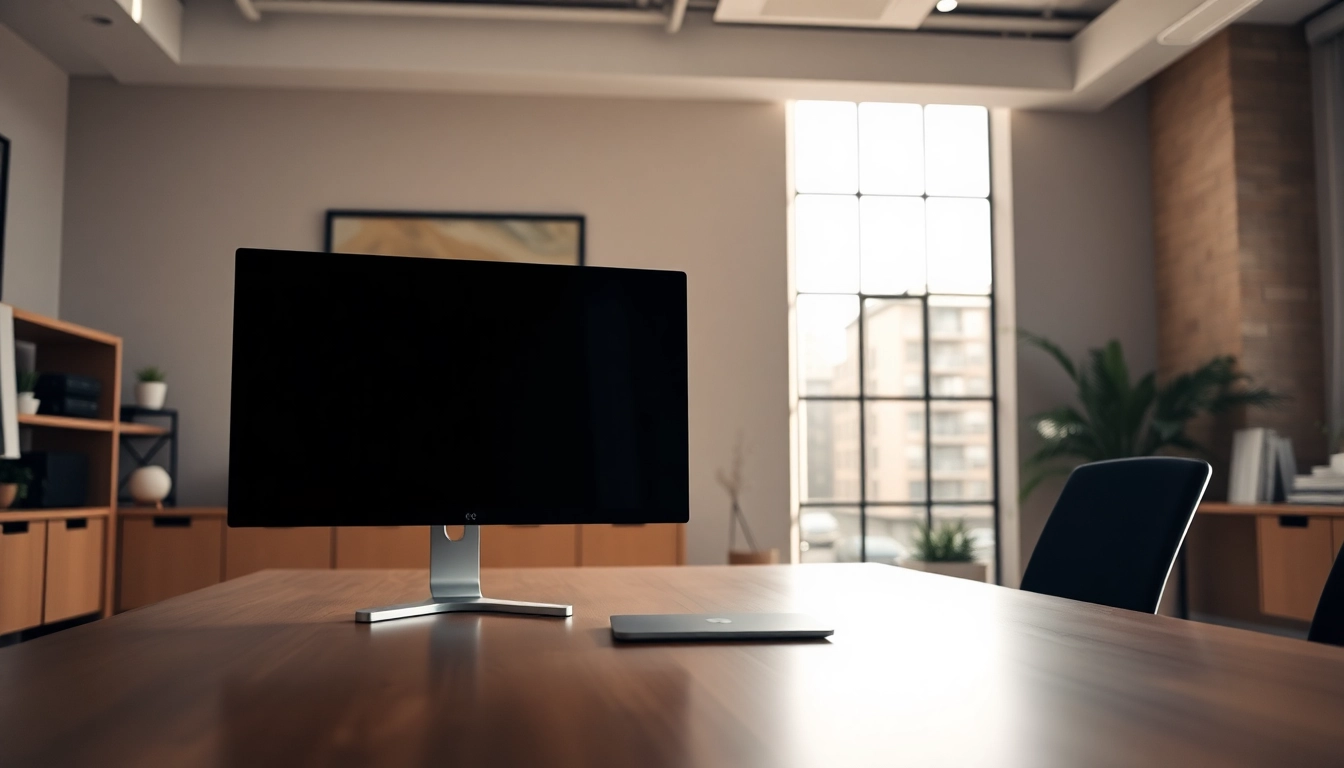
{"x":717,"y":626}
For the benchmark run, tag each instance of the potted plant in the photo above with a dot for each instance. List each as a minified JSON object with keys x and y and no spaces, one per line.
{"x":14,"y":480}
{"x":151,"y":389}
{"x":948,"y":550}
{"x":1119,"y":419}
{"x":732,"y":481}
{"x":27,"y":401}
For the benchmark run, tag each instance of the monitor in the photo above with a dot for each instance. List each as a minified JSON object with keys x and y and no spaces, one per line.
{"x":378,"y":390}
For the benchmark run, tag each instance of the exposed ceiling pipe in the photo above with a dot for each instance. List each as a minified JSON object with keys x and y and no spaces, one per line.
{"x":248,"y":10}
{"x":676,"y":15}
{"x":998,"y":24}
{"x":254,"y":9}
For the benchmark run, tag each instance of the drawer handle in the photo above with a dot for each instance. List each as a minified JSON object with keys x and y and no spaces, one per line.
{"x":1292,"y":521}
{"x":76,"y":523}
{"x":628,"y":525}
{"x":11,"y":528}
{"x":172,"y":521}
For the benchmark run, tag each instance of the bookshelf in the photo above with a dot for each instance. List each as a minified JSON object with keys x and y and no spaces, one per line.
{"x":69,"y":554}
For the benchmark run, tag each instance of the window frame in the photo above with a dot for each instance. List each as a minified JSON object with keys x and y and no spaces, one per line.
{"x":928,"y":338}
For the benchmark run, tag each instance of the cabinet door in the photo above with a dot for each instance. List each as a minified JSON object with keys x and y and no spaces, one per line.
{"x":22,"y":547}
{"x":653,"y":544}
{"x":74,"y":568}
{"x":168,"y":555}
{"x":1295,"y":557}
{"x":405,"y":546}
{"x":248,"y":550}
{"x":529,"y":546}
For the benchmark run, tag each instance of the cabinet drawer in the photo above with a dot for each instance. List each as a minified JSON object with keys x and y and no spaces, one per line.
{"x":404,"y":546}
{"x":1295,"y":558}
{"x":168,"y":555}
{"x":22,"y":547}
{"x":247,"y":550}
{"x":529,"y":546}
{"x":74,"y":568}
{"x":653,"y":544}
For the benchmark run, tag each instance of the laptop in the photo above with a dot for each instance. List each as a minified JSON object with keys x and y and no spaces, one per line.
{"x":717,"y":626}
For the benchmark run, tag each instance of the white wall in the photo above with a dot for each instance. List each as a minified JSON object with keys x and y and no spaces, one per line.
{"x":164,"y":183}
{"x":32,"y":117}
{"x":1082,"y":215}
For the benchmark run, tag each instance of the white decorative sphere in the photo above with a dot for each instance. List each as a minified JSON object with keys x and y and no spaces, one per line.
{"x":149,"y":485}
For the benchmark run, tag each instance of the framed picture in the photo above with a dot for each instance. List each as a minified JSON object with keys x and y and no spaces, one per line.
{"x":4,"y":201}
{"x":517,"y":237}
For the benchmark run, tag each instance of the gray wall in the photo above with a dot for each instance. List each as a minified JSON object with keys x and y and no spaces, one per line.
{"x":1083,"y":222}
{"x":164,"y":183}
{"x":32,"y":117}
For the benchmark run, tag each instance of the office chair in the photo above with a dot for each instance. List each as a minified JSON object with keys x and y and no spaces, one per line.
{"x":1115,"y":531}
{"x":1327,"y":626}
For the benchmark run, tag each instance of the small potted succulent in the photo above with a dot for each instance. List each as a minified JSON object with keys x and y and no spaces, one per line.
{"x":27,"y":383}
{"x":948,"y":549}
{"x":151,"y":389}
{"x":14,"y":480}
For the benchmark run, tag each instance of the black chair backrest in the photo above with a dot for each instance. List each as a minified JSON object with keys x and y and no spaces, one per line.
{"x":1327,"y":626}
{"x":1115,"y":531}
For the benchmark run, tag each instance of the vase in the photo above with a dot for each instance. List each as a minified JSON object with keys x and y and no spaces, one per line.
{"x":970,"y":571}
{"x":27,"y":403}
{"x":8,"y":493}
{"x":151,"y":394}
{"x":149,"y":485}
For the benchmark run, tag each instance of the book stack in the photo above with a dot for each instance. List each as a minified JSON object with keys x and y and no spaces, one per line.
{"x":68,"y":394}
{"x":1262,"y":467}
{"x":1322,"y":486}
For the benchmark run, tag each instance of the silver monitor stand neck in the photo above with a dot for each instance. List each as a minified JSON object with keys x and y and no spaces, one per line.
{"x":455,"y":584}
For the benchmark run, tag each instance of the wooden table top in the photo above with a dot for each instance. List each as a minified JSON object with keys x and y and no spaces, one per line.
{"x":271,"y":669}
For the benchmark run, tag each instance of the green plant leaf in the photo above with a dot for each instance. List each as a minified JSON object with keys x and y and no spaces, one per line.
{"x":1053,"y":349}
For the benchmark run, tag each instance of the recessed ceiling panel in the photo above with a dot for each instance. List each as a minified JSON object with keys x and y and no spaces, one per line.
{"x":885,"y":14}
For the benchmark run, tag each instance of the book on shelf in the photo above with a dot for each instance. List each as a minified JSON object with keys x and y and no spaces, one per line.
{"x":1263,"y":467}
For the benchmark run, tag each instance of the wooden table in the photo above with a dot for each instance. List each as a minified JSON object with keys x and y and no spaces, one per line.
{"x":923,"y":670}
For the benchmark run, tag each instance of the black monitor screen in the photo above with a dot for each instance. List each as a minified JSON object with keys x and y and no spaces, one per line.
{"x":373,"y":390}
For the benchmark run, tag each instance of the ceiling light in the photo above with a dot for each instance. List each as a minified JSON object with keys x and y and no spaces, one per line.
{"x":946,"y":5}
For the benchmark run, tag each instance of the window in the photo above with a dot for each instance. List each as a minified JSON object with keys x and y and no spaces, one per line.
{"x":892,"y":262}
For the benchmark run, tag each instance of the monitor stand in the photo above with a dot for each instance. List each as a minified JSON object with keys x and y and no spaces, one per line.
{"x":455,"y":584}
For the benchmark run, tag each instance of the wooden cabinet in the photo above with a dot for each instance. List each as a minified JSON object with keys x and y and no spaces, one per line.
{"x":74,"y":568}
{"x":247,"y":550}
{"x":404,"y":546}
{"x":168,"y":554}
{"x":529,"y":546}
{"x":1296,"y":553}
{"x":631,"y":545}
{"x":23,"y":546}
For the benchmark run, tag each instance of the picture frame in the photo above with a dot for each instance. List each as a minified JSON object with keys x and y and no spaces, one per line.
{"x":512,"y":237}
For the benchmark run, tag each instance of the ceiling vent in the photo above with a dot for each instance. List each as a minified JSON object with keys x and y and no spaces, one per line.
{"x":881,"y":14}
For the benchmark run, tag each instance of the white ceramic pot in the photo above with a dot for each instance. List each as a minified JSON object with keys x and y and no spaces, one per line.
{"x":149,"y":485}
{"x":972,"y":571}
{"x":151,"y":394}
{"x":28,"y":403}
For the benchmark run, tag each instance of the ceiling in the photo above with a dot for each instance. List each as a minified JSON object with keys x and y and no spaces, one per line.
{"x":1040,"y":54}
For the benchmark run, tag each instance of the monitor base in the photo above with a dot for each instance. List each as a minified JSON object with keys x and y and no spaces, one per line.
{"x":455,"y":584}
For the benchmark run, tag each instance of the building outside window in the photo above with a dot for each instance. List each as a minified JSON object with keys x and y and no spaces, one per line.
{"x":893,"y":311}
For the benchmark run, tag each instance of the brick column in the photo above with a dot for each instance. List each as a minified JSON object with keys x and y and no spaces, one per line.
{"x":1237,"y":266}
